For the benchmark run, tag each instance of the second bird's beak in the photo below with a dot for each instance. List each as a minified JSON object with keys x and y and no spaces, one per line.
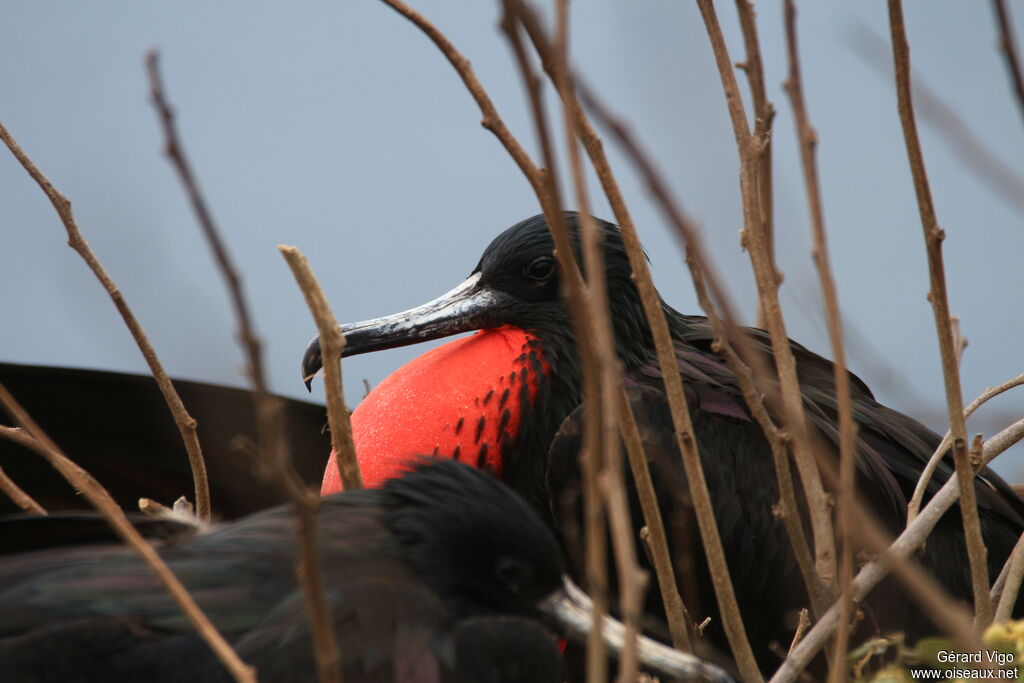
{"x":470,"y":306}
{"x":572,"y":610}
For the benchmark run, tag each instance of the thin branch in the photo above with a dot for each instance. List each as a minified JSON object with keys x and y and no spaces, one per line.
{"x":309,"y":570}
{"x":675,"y":611}
{"x":1008,"y":44}
{"x":926,"y":475}
{"x":185,"y":423}
{"x":908,"y":542}
{"x":19,"y":496}
{"x":933,"y":236}
{"x":808,"y":138}
{"x":1006,"y":596}
{"x":750,"y":146}
{"x":31,"y":436}
{"x":333,"y":343}
{"x":764,"y":114}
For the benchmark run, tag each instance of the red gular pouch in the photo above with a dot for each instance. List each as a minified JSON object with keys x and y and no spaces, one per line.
{"x":463,"y":400}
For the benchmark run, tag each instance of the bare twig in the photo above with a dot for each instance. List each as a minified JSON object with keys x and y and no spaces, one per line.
{"x":764,"y":114}
{"x":152,"y":508}
{"x":19,"y":496}
{"x":1008,"y":44}
{"x":750,"y":146}
{"x":675,"y":611}
{"x":32,"y":437}
{"x":907,"y":543}
{"x":1004,"y":593}
{"x":333,"y":343}
{"x":808,"y":139}
{"x":309,"y":570}
{"x":926,"y":475}
{"x":933,"y":236}
{"x":803,"y":623}
{"x":186,"y":423}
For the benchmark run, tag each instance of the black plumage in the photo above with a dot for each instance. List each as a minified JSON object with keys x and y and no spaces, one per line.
{"x":515,"y":283}
{"x":435,"y":577}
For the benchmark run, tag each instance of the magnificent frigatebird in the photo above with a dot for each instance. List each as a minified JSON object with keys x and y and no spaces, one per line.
{"x":496,"y":399}
{"x":442,"y":574}
{"x":436,"y":576}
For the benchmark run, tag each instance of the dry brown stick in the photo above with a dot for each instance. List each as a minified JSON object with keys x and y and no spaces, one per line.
{"x":185,"y":423}
{"x":1008,"y":44}
{"x":333,"y":343}
{"x":905,"y":544}
{"x":926,"y":475}
{"x":932,"y":109}
{"x":678,"y":617}
{"x":1008,"y":584}
{"x":683,"y":427}
{"x":764,"y":114}
{"x":19,"y":496}
{"x":808,"y":138}
{"x":31,"y":436}
{"x":750,"y":146}
{"x":933,"y":236}
{"x":309,"y":570}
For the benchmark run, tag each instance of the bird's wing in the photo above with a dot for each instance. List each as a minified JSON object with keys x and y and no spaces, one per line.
{"x":237,"y":573}
{"x":892,"y":448}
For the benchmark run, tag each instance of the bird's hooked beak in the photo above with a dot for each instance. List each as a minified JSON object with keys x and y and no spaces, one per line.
{"x":571,"y":609}
{"x":470,"y":306}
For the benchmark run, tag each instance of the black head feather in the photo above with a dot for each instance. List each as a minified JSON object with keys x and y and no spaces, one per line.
{"x":472,"y":539}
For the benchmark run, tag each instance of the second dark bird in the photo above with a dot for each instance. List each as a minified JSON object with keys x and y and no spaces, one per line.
{"x":436,"y":576}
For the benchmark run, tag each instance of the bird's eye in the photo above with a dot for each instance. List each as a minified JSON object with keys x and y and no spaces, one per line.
{"x":512,"y":572}
{"x":540,"y":269}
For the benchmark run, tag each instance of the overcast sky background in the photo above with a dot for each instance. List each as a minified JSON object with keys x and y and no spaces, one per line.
{"x":339,"y":128}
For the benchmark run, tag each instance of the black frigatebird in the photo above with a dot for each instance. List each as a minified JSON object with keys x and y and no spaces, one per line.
{"x":436,"y":576}
{"x":440,"y":575}
{"x":497,"y":399}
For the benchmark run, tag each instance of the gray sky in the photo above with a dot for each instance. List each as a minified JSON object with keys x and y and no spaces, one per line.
{"x":337,"y":127}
